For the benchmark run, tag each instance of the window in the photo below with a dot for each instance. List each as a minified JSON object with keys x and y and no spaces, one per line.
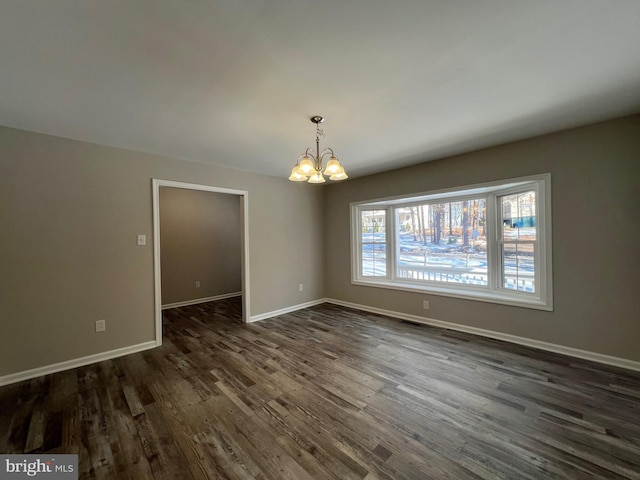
{"x":517,"y":240}
{"x":442,"y":242}
{"x":489,"y":242}
{"x":373,"y":243}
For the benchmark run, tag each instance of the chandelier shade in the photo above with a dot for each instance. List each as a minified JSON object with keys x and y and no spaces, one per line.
{"x":339,"y":176}
{"x":309,"y":166}
{"x":297,"y":177}
{"x":317,"y":178}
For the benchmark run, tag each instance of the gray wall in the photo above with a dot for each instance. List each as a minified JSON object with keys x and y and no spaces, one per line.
{"x":596,"y":233}
{"x":69,"y":216}
{"x":200,"y":241}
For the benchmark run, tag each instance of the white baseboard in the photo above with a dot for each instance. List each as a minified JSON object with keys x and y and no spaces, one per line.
{"x":76,"y":362}
{"x":528,"y":342}
{"x":201,"y":300}
{"x":551,"y":347}
{"x":282,"y":311}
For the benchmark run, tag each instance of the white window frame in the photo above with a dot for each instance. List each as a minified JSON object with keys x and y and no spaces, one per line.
{"x":494,"y":292}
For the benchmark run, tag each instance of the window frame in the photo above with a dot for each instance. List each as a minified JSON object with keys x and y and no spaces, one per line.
{"x":494,"y":292}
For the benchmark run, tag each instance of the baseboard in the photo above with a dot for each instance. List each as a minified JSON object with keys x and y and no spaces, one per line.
{"x":551,"y":347}
{"x":527,"y":342}
{"x":76,"y":362}
{"x":282,"y":311}
{"x":201,"y":300}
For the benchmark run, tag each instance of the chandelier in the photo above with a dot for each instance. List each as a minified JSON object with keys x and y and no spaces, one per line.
{"x":309,"y":167}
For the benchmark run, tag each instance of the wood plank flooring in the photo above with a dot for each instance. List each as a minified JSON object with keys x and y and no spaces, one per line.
{"x":330,"y":393}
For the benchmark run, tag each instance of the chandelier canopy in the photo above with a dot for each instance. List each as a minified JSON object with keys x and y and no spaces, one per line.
{"x":309,"y":167}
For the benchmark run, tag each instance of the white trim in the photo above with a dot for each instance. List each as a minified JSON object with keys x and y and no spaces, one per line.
{"x":157,"y":284}
{"x":196,"y":186}
{"x":244,"y":257}
{"x":75,"y":363}
{"x":527,"y":342}
{"x":196,"y":301}
{"x":282,"y":311}
{"x":244,"y":250}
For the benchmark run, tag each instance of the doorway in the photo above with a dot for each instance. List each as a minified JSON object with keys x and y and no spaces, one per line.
{"x":242,"y":195}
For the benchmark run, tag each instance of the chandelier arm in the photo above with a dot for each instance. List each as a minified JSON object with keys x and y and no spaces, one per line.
{"x":326,"y":151}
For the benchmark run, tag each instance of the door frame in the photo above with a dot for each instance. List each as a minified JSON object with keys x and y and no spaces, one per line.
{"x":244,"y":247}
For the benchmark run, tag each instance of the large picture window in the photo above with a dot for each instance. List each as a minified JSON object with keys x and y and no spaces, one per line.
{"x":489,"y":242}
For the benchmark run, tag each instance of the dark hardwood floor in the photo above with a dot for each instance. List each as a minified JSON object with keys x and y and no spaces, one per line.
{"x":330,"y":392}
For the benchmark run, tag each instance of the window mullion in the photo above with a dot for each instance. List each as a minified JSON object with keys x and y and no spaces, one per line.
{"x":493,"y":242}
{"x":392,"y":241}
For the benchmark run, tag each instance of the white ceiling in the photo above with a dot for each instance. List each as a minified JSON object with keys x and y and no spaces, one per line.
{"x":234,"y":82}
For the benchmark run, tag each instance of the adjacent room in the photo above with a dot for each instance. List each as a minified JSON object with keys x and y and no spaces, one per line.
{"x":320,"y":240}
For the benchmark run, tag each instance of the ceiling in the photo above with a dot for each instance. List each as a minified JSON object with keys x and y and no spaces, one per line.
{"x":234,"y":82}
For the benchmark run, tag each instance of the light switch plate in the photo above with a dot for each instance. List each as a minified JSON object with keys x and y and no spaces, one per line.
{"x":142,"y":239}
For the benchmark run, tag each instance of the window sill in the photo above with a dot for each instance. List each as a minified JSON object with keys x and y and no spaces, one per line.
{"x":466,"y":294}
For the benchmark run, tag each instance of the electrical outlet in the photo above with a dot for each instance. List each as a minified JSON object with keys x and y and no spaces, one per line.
{"x":101,"y":325}
{"x":301,"y":287}
{"x":425,"y":304}
{"x":197,"y":283}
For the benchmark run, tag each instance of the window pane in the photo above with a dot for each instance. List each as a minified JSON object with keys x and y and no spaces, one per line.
{"x":519,"y":216}
{"x":374,"y":260}
{"x":518,"y":272}
{"x":443,"y":242}
{"x":373,"y":243}
{"x":373,"y":226}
